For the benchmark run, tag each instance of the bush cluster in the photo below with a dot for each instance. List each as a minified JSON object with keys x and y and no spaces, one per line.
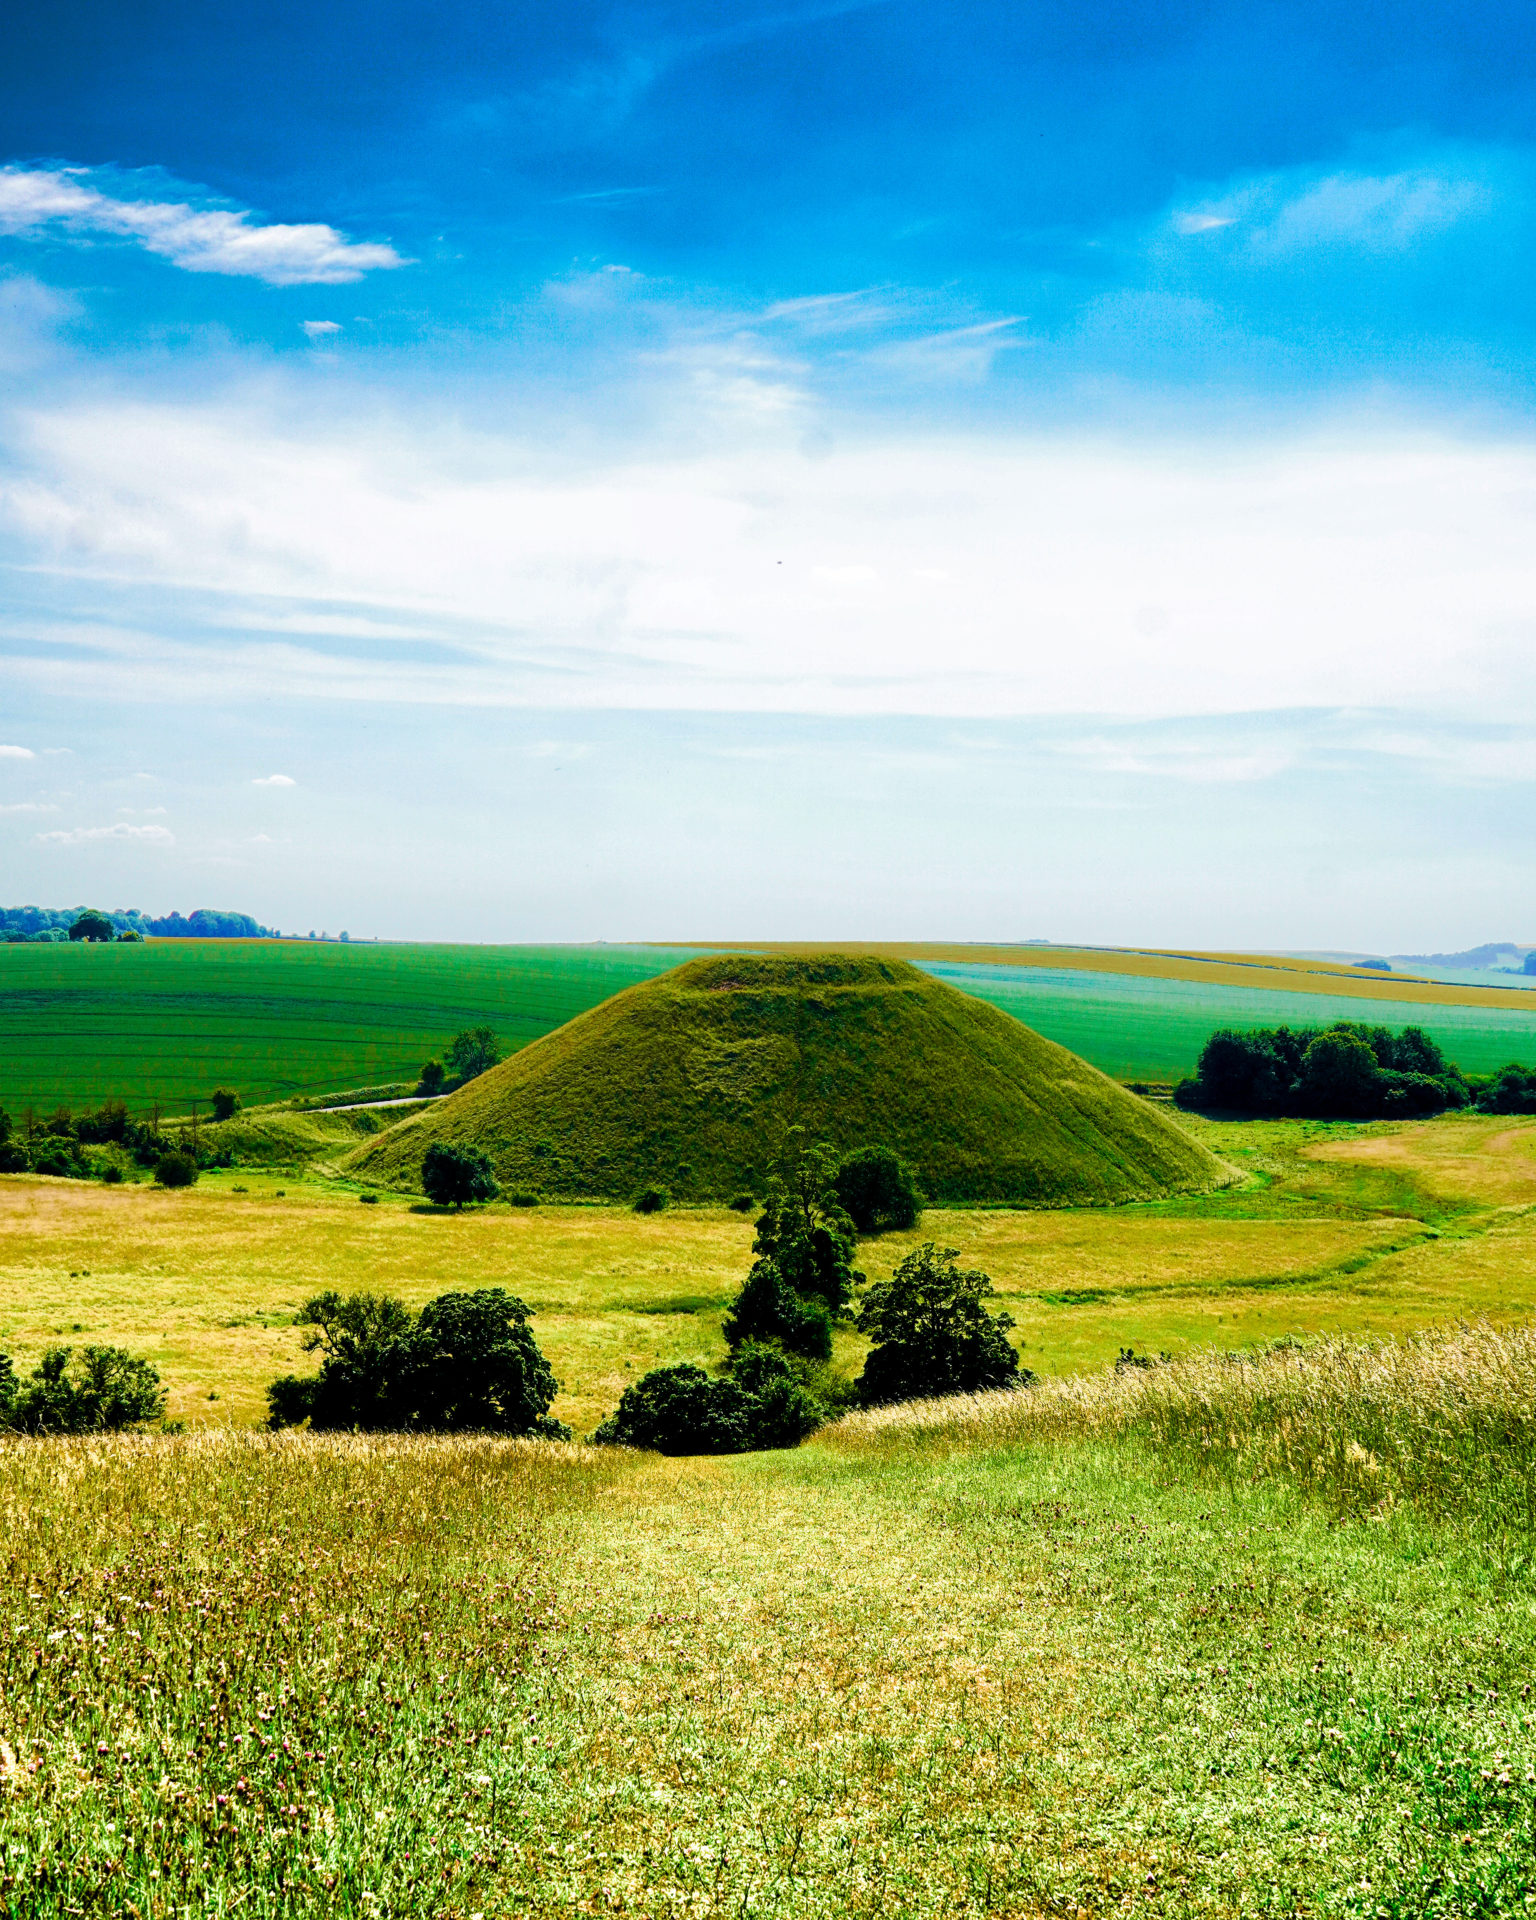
{"x":764,"y":1401}
{"x":58,"y":1143}
{"x":467,"y":1363}
{"x":107,"y":1391}
{"x":1345,"y":1072}
{"x":457,"y":1176}
{"x":1511,"y":1090}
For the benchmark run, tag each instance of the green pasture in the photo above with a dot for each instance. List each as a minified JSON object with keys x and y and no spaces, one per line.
{"x":1147,"y":1029}
{"x":171,"y":1019}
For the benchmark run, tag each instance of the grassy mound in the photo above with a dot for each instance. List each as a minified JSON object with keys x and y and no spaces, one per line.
{"x":690,"y":1081}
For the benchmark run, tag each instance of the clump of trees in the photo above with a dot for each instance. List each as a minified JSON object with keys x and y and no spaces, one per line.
{"x":457,"y":1176}
{"x":932,"y":1333}
{"x":471,"y":1052}
{"x":1347,"y":1071}
{"x":467,"y":1363}
{"x":1511,"y":1090}
{"x":106,"y":1391}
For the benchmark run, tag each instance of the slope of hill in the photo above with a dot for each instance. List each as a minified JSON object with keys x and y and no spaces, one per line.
{"x":691,"y":1080}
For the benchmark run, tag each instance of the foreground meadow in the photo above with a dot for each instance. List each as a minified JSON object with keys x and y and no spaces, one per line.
{"x":1365,"y":1229}
{"x":1213,"y":1640}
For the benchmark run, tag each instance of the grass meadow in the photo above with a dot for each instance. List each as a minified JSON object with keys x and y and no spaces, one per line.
{"x":1225,"y":1639}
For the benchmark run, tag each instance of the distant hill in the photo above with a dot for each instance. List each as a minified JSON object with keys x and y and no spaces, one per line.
{"x":690,"y":1081}
{"x":1496,"y":953}
{"x":203,"y":923}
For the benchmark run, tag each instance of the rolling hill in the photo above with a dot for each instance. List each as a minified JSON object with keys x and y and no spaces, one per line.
{"x":691,"y":1080}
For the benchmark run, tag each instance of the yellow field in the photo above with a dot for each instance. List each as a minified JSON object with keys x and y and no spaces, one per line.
{"x":1339,"y":1229}
{"x":1278,"y":972}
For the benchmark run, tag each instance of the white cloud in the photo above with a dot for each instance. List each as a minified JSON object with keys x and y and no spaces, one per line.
{"x":1302,"y":211}
{"x":212,"y":240}
{"x":78,"y":836}
{"x":275,"y":780}
{"x":29,"y":806}
{"x":17,"y":753}
{"x":319,"y":329}
{"x":1349,"y":566}
{"x":142,"y":813}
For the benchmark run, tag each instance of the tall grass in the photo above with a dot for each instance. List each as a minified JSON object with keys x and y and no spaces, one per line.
{"x":269,"y":1673}
{"x":1443,"y":1421}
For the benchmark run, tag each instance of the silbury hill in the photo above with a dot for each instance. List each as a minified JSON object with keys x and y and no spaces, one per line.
{"x":690,"y":1082}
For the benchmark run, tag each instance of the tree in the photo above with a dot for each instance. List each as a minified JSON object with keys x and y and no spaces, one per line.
{"x":803,"y":1278}
{"x":1340,"y":1076}
{"x":679,"y":1410}
{"x":476,"y":1368}
{"x":768,"y":1309}
{"x":453,"y":1176}
{"x":467,"y":1364}
{"x":365,"y":1360}
{"x":433,"y":1074}
{"x":472,"y":1052}
{"x":94,"y":927}
{"x":108,"y":1392}
{"x":176,"y":1169}
{"x":877,"y":1190}
{"x":932,"y":1335}
{"x":226,"y":1103}
{"x":131,"y":935}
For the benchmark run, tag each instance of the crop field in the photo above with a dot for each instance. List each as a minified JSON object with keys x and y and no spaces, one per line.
{"x":171,"y":1019}
{"x":1376,"y":1229}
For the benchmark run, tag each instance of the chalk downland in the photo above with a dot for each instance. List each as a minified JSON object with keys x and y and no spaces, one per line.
{"x":690,"y":1082}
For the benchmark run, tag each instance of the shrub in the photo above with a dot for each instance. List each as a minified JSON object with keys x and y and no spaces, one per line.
{"x":522,"y":1199}
{"x":679,"y":1409}
{"x":743,"y":1203}
{"x":369,"y":1199}
{"x":877,"y":1191}
{"x":226,"y":1103}
{"x":176,"y":1169}
{"x":112,"y":1174}
{"x":650,"y":1200}
{"x":932,"y":1335}
{"x":433,"y":1074}
{"x":768,"y":1308}
{"x":1511,"y":1090}
{"x":453,"y":1176}
{"x":108,"y":1392}
{"x":466,"y":1364}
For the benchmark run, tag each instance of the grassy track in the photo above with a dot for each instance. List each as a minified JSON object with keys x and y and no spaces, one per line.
{"x":1378,"y":1229}
{"x":171,"y":1019}
{"x":996,"y":1661}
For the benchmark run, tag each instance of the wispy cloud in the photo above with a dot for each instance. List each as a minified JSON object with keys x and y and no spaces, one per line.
{"x":200,"y":240}
{"x":79,"y":836}
{"x":1282,"y":216}
{"x":29,"y":806}
{"x":275,"y":780}
{"x":320,"y":329}
{"x":17,"y":753}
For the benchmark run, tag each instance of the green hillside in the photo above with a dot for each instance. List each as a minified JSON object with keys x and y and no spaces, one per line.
{"x":691,"y":1081}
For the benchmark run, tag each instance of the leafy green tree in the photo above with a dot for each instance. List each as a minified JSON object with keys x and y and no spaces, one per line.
{"x":472,"y":1052}
{"x":93,"y":926}
{"x":176,"y":1169}
{"x":457,"y":1176}
{"x":477,"y":1369}
{"x":932,"y":1335}
{"x":1340,"y":1076}
{"x":877,"y":1191}
{"x":784,"y":1409}
{"x":679,"y":1409}
{"x":768,"y":1309}
{"x":108,"y":1391}
{"x":363,"y":1341}
{"x":805,"y":1230}
{"x":433,"y":1074}
{"x":226,"y":1103}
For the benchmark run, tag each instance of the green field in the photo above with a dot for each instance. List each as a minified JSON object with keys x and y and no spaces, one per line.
{"x":1153,"y":1029}
{"x":171,"y":1019}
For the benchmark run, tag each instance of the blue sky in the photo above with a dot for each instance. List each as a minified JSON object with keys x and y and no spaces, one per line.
{"x":716,"y":471}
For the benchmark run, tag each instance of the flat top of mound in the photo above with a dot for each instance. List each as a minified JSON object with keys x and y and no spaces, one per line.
{"x":691,"y":1081}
